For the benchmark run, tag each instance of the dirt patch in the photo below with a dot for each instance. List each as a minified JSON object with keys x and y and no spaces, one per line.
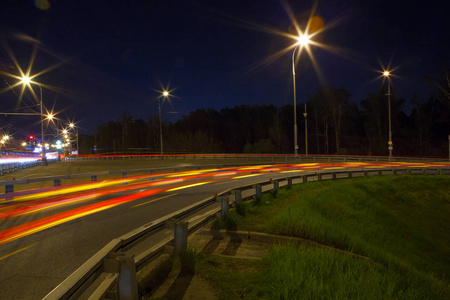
{"x":184,"y":285}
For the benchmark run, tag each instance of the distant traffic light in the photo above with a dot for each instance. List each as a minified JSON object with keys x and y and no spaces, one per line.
{"x":31,"y":137}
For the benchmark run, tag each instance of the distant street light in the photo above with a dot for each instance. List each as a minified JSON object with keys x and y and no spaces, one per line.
{"x":72,"y":125}
{"x":390,"y":144}
{"x":302,"y":41}
{"x":4,"y":139}
{"x":26,"y":80}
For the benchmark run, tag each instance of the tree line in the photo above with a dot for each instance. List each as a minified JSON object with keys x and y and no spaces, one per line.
{"x":335,"y":125}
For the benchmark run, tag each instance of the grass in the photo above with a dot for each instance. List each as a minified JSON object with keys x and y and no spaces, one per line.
{"x":400,"y":222}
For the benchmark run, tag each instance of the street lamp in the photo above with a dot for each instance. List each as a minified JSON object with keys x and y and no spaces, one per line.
{"x":302,"y":41}
{"x":3,"y":141}
{"x":165,"y":94}
{"x":26,"y":80}
{"x":390,"y":145}
{"x":72,"y":125}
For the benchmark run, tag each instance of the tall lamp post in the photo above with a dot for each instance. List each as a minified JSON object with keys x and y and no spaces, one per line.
{"x":26,"y":80}
{"x":303,"y":40}
{"x":165,"y":94}
{"x":306,"y":131}
{"x":390,"y":144}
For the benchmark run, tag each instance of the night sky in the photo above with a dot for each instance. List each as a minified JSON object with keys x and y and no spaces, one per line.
{"x":110,"y":56}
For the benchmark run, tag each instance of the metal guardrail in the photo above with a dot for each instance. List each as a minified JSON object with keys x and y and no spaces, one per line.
{"x":111,"y":272}
{"x":263,"y":157}
{"x":13,"y":167}
{"x":9,"y":185}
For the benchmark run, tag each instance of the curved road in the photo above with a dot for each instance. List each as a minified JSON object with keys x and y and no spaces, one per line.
{"x":47,"y":235}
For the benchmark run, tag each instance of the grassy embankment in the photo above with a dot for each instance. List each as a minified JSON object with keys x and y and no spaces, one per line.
{"x":400,"y":223}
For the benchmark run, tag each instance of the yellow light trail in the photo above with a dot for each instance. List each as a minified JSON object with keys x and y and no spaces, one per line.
{"x":245,"y":176}
{"x":70,"y":190}
{"x":225,"y":174}
{"x":188,"y":186}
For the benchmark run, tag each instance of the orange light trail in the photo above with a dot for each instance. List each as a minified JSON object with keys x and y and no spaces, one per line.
{"x":18,"y":209}
{"x":28,"y":228}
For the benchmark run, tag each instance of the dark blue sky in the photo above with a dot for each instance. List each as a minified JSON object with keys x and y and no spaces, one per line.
{"x":111,"y":55}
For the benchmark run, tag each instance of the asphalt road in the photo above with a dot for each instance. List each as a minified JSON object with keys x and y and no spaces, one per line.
{"x":38,"y":258}
{"x":31,"y":266}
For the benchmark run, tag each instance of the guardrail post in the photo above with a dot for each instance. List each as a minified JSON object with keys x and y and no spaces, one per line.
{"x":94,"y":178}
{"x":238,"y":197}
{"x":9,"y":189}
{"x":57,"y":182}
{"x":366,"y":173}
{"x":350,"y":174}
{"x":289,"y":184}
{"x":124,"y":175}
{"x":128,"y":287}
{"x":275,"y":186}
{"x":124,"y":266}
{"x":225,"y":206}
{"x":380,"y":172}
{"x":304,"y":179}
{"x":319,"y":176}
{"x":258,"y":192}
{"x":333,"y":175}
{"x":180,"y":237}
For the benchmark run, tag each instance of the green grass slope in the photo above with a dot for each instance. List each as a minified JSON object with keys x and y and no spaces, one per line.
{"x":401,"y":223}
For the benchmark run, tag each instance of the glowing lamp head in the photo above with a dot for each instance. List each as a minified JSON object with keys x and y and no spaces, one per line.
{"x":72,"y":125}
{"x":165,"y":93}
{"x":50,"y":117}
{"x":25,"y":80}
{"x":386,"y":73}
{"x":303,"y":40}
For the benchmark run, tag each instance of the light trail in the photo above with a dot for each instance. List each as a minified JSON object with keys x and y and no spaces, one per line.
{"x":31,"y":227}
{"x":188,"y":186}
{"x":75,"y":194}
{"x":246,"y":176}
